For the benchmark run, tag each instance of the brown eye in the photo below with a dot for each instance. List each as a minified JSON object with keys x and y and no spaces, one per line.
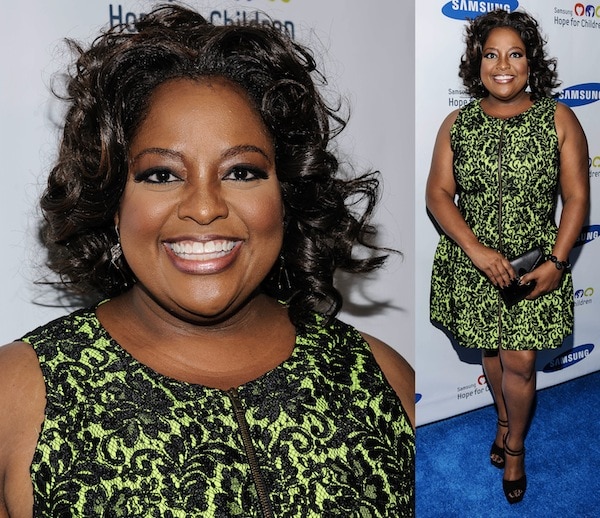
{"x":156,"y":175}
{"x":243,"y":173}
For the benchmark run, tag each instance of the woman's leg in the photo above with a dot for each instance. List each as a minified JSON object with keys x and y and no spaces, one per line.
{"x":493,"y":374}
{"x":518,"y":389}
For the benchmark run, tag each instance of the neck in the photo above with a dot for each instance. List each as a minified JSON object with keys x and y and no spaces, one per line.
{"x":506,"y":108}
{"x":220,"y":354}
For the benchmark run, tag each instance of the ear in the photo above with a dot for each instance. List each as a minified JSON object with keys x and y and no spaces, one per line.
{"x":116,"y":219}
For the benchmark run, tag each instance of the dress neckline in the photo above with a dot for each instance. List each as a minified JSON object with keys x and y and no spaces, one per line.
{"x":534,"y":104}
{"x":126,"y":356}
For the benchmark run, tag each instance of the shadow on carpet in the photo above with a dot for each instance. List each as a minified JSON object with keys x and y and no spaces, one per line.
{"x":455,"y":478}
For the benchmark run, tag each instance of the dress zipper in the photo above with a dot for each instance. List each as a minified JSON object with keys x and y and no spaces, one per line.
{"x":500,"y":243}
{"x":259,"y":483}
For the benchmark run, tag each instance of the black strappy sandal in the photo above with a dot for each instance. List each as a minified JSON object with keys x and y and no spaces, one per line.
{"x":497,"y":452}
{"x":514,"y":490}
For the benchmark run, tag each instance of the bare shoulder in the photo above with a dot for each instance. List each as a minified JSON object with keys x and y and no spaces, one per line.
{"x":450,"y":119}
{"x":441,"y":161}
{"x":398,"y":372}
{"x":22,"y":403}
{"x":18,"y":361}
{"x":21,"y":382}
{"x":567,"y":123}
{"x":447,"y":123}
{"x":564,"y":112}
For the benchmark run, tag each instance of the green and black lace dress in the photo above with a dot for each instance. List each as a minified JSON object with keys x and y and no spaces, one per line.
{"x":323,"y":434}
{"x":506,"y":172}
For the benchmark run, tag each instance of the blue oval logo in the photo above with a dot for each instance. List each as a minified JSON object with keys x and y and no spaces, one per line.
{"x":418,"y":397}
{"x":579,"y":95}
{"x":569,"y":358}
{"x":588,"y":234}
{"x":463,"y":9}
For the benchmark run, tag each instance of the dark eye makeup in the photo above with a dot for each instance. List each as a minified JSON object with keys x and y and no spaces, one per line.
{"x":155,"y":175}
{"x":245,"y":173}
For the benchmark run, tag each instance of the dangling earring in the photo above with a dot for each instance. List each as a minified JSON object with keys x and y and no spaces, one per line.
{"x":283,"y":275}
{"x":116,"y":251}
{"x":479,"y":85}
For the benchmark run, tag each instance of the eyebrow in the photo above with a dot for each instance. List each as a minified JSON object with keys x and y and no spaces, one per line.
{"x":157,"y":151}
{"x":511,"y":48}
{"x":231,"y":152}
{"x":245,"y":148}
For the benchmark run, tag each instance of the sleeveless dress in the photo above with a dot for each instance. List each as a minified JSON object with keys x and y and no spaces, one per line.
{"x":323,"y":434}
{"x":506,"y":173}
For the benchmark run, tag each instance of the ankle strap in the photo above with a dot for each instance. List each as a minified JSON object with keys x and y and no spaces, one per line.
{"x":512,"y":453}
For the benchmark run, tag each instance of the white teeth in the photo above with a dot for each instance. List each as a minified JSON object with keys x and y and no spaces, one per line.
{"x":201,"y":250}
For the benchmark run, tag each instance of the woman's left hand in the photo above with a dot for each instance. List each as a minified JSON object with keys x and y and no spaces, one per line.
{"x":547,"y":278}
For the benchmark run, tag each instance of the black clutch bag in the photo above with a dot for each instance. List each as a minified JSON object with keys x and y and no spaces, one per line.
{"x":522,"y":264}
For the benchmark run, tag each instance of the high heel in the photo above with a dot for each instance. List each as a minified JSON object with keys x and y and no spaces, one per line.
{"x":497,"y":452}
{"x":514,"y":490}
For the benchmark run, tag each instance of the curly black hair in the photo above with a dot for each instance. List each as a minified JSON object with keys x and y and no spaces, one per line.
{"x":107,"y":95}
{"x":542,"y":70}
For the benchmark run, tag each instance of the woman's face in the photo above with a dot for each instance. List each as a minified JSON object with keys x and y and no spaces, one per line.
{"x":201,"y":218}
{"x":504,"y":68}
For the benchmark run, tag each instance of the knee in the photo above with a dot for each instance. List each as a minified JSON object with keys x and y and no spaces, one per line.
{"x":525,"y":373}
{"x":520,"y":366}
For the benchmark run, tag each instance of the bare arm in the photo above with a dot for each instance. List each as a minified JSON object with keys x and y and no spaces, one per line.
{"x":440,"y":192}
{"x":575,"y":193}
{"x":22,"y":403}
{"x":397,"y":371}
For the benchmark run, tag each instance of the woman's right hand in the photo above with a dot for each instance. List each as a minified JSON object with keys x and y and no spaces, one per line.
{"x":493,"y":264}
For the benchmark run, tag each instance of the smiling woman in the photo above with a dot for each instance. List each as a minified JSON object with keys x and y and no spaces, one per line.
{"x":497,"y":166}
{"x":196,"y":198}
{"x":202,"y":176}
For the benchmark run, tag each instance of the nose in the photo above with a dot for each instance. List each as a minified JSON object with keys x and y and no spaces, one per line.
{"x":503,"y":63}
{"x":203,"y":202}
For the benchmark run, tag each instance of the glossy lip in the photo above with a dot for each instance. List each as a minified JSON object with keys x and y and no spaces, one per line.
{"x":186,"y":253}
{"x":503,"y":78}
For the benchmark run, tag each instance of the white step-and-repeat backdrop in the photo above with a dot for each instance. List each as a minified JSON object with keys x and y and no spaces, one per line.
{"x":366,"y":50}
{"x":450,"y":379}
{"x":399,"y":85}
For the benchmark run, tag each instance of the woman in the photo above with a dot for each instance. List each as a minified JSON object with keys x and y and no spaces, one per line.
{"x":505,"y":155}
{"x":195,"y":193}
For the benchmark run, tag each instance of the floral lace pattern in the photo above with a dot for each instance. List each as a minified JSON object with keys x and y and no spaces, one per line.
{"x":506,"y":173}
{"x":119,"y":439}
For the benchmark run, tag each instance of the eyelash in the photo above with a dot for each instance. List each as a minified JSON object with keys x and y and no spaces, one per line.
{"x":164,"y":175}
{"x":491,"y":55}
{"x":255,"y":172}
{"x":145,"y":176}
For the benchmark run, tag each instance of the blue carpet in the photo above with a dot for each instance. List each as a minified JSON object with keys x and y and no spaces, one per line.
{"x":455,"y":478}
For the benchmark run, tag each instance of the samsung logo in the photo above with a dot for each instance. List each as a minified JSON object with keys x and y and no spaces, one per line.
{"x":578,"y":95}
{"x":569,"y":358}
{"x":588,"y":234}
{"x":462,"y":9}
{"x":418,"y":397}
